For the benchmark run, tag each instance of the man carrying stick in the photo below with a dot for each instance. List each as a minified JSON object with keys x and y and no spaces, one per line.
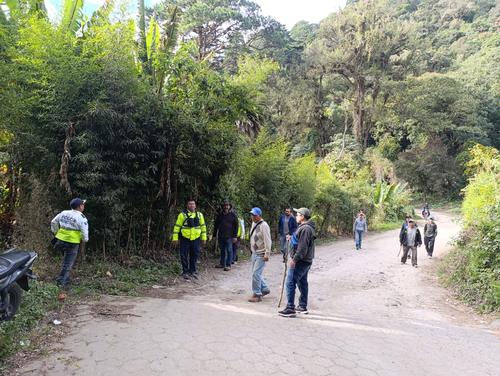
{"x":301,"y":258}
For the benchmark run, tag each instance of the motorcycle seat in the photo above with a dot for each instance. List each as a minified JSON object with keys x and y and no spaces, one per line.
{"x":10,"y":261}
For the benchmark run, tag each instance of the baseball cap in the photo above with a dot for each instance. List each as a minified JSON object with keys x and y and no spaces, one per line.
{"x":304,"y":211}
{"x":76,"y":202}
{"x":256,"y":211}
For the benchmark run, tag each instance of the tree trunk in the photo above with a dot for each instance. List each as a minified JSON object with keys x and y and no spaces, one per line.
{"x":359,"y":113}
{"x":63,"y":170}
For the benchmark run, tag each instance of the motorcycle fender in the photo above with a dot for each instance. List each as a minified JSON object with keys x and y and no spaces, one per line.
{"x":23,"y":282}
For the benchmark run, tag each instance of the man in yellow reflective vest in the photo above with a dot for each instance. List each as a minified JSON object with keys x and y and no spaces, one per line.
{"x":70,"y":228}
{"x":191,"y":228}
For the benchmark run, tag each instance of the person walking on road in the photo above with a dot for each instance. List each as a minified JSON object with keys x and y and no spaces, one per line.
{"x":226,"y":231}
{"x":410,"y":238}
{"x":191,"y":226}
{"x":359,"y":227}
{"x":286,"y":228}
{"x":430,"y":233}
{"x":301,"y":258}
{"x":260,"y":245}
{"x":70,"y":228}
{"x":426,"y":212}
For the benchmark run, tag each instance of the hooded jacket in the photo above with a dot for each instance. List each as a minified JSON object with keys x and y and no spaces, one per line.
{"x":305,"y":234}
{"x":226,"y":224}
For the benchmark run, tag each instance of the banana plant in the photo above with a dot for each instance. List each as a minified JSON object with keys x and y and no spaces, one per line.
{"x":384,"y":193}
{"x":72,"y":15}
{"x":159,"y":43}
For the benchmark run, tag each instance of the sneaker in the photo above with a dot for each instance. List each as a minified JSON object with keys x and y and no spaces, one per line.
{"x":185,"y":276}
{"x":288,"y":312}
{"x":302,"y":310}
{"x":266,"y":292}
{"x":255,"y":299}
{"x":235,"y":263}
{"x":218,"y":266}
{"x":194,"y":275}
{"x":227,"y":268}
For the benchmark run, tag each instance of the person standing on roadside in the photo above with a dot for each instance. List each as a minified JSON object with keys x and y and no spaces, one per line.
{"x":260,"y":245}
{"x":70,"y":228}
{"x":226,"y":231}
{"x":301,"y":258}
{"x":430,"y":233}
{"x":286,"y":228}
{"x":410,"y":238}
{"x":359,"y":227}
{"x":240,"y":235}
{"x":191,"y":226}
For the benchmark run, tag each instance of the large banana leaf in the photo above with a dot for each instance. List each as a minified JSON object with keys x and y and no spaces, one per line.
{"x":72,"y":15}
{"x":152,"y":38}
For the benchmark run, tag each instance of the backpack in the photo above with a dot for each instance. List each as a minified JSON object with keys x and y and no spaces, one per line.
{"x":191,"y":222}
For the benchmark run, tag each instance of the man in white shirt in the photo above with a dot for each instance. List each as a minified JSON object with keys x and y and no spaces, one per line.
{"x":70,"y":228}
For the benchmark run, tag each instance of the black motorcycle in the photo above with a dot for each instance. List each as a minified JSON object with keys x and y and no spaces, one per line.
{"x":15,"y":271}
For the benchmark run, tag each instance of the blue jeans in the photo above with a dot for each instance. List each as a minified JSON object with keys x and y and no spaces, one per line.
{"x":297,"y":277}
{"x":226,"y":252}
{"x":258,"y":282}
{"x":189,"y":251}
{"x":358,"y":237}
{"x":69,"y":251}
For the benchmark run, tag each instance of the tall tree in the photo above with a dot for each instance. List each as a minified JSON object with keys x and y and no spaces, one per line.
{"x":364,"y":44}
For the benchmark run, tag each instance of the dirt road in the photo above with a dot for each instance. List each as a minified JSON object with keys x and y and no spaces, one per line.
{"x":369,"y":315}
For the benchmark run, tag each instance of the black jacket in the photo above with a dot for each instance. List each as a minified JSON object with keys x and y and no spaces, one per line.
{"x":305,"y":234}
{"x":403,"y":237}
{"x":226,"y":225}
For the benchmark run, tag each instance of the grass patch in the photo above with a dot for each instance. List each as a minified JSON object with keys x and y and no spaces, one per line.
{"x":386,"y":226}
{"x":16,"y":333}
{"x":115,"y":279}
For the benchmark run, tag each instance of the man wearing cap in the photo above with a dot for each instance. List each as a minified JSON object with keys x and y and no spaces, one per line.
{"x":410,"y":239}
{"x":430,"y":233}
{"x":260,"y":245}
{"x":301,"y":258}
{"x":70,"y":228}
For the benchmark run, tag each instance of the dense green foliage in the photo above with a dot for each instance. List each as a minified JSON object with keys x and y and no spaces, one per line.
{"x":474,"y":266}
{"x":208,"y":99}
{"x":213,"y":100}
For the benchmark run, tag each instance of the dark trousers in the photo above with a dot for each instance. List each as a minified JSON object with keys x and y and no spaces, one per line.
{"x":297,"y":277}
{"x":413,"y":250}
{"x":69,"y":252}
{"x":235,"y":250}
{"x":429,"y":244}
{"x":226,"y":251}
{"x":189,"y":251}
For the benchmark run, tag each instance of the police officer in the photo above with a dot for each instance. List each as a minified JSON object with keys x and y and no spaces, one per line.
{"x":191,"y":226}
{"x":70,"y":228}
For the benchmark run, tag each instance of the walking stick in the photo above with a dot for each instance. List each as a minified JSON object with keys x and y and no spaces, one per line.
{"x":284,"y":274}
{"x":400,"y":248}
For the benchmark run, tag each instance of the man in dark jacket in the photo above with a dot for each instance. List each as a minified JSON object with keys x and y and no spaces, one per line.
{"x":300,"y":262}
{"x":286,"y":228}
{"x":430,"y":233}
{"x":410,"y":239}
{"x":226,"y":231}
